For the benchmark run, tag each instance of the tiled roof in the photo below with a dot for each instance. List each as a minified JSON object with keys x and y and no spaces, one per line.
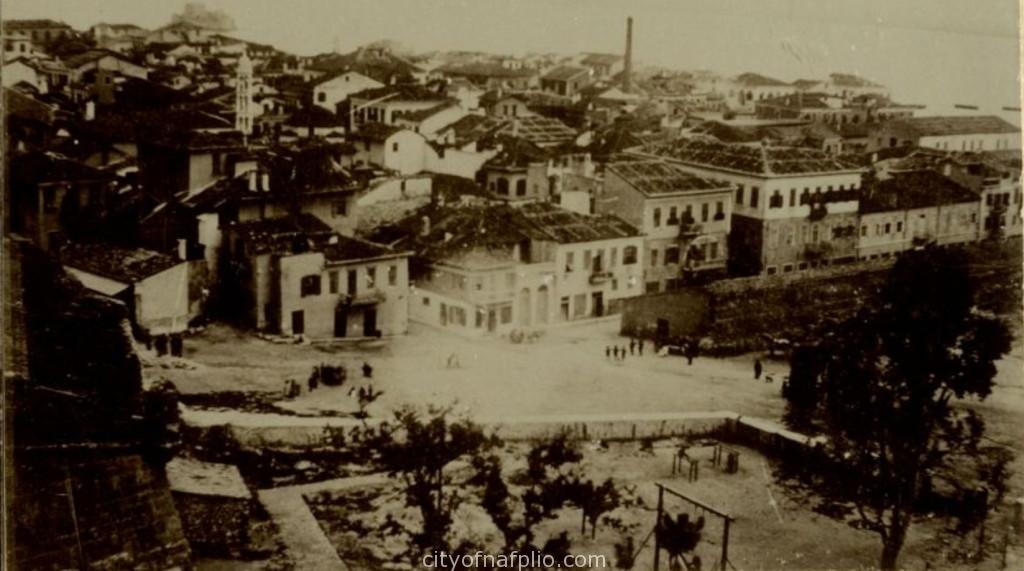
{"x":495,"y":229}
{"x":46,"y":167}
{"x":954,"y":125}
{"x":126,"y":265}
{"x":287,"y":234}
{"x":314,"y":115}
{"x":485,"y":69}
{"x":917,"y":189}
{"x":566,"y":73}
{"x":400,"y":92}
{"x":33,"y":24}
{"x":653,"y":177}
{"x":471,"y":127}
{"x":601,"y":59}
{"x":758,"y":80}
{"x":422,"y":114}
{"x":342,"y":249}
{"x":540,"y":130}
{"x":376,"y":132}
{"x":851,"y":80}
{"x":516,"y":152}
{"x":756,"y":160}
{"x":568,"y":227}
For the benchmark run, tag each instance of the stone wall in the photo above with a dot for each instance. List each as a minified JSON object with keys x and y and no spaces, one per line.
{"x":106,"y":511}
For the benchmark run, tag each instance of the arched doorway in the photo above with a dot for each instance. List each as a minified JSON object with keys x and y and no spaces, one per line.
{"x":542,"y":304}
{"x":524,"y":307}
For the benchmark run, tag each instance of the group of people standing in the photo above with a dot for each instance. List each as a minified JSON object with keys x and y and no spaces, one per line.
{"x":635,"y":347}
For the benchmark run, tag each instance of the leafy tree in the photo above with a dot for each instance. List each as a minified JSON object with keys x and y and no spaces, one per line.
{"x":806,"y":364}
{"x":595,"y":501}
{"x":417,"y":450}
{"x":887,"y":387}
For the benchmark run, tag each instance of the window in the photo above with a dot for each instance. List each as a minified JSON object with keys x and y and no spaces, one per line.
{"x":614,"y":258}
{"x":426,"y":301}
{"x":352,"y":283}
{"x":657,"y":217}
{"x":371,"y":277}
{"x":864,"y":230}
{"x":673,"y":217}
{"x":392,"y":275}
{"x":654,"y":257}
{"x":394,"y":147}
{"x":309,"y":285}
{"x":754,"y":191}
{"x":339,"y":208}
{"x":739,"y":194}
{"x":629,"y":255}
{"x":521,"y":187}
{"x":506,"y":314}
{"x":503,"y":186}
{"x":332,"y":279}
{"x":672,"y":255}
{"x":899,"y":226}
{"x":719,"y":210}
{"x":713,"y":253}
{"x":888,"y":227}
{"x":569,"y":260}
{"x":586,"y":259}
{"x":776,"y":200}
{"x":321,"y":97}
{"x":704,"y":208}
{"x":792,"y":197}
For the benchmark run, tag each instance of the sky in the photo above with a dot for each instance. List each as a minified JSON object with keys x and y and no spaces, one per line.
{"x":933,"y":52}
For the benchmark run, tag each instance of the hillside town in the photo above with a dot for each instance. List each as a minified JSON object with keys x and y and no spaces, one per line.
{"x":196,"y":221}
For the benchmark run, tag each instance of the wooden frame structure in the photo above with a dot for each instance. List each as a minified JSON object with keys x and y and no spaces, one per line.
{"x":726,"y":521}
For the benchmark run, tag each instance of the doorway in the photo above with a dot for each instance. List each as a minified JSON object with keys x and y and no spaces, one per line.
{"x":298,"y":322}
{"x":370,"y":322}
{"x":341,"y":322}
{"x":598,"y":303}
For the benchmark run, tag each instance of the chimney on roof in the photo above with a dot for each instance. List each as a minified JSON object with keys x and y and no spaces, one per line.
{"x":627,"y":66}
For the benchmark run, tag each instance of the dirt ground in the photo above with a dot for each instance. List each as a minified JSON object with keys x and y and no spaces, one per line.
{"x":566,"y":372}
{"x":786,"y":535}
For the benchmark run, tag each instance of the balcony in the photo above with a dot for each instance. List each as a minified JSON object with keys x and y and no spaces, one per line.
{"x":599,"y":277}
{"x":369,"y":297}
{"x":688,"y":228}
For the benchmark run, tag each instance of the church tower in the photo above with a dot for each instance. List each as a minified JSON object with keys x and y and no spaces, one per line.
{"x":244,"y":111}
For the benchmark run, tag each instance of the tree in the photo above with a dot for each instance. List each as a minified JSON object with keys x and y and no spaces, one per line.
{"x":418,"y":450}
{"x":595,"y":501}
{"x":806,"y":364}
{"x":887,"y":387}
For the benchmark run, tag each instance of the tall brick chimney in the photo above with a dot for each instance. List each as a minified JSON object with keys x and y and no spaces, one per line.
{"x":627,"y":66}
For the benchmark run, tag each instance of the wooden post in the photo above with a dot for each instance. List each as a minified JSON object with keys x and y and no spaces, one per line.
{"x":725,"y":544}
{"x":657,"y":527}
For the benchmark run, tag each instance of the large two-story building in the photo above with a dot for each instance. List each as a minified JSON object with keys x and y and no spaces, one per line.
{"x":685,"y":218}
{"x":793,"y":208}
{"x":495,"y":268}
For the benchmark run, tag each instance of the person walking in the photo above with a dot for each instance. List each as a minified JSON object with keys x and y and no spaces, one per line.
{"x":640,"y":347}
{"x":758,"y":368}
{"x":314,"y":381}
{"x":632,"y":345}
{"x":367,"y":370}
{"x":607,"y":352}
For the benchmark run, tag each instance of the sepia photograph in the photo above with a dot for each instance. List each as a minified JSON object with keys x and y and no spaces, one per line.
{"x":411,"y":285}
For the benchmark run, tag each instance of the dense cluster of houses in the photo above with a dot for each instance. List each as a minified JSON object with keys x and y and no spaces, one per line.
{"x":192,"y":175}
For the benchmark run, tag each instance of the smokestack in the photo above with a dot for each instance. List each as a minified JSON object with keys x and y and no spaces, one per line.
{"x":627,"y":67}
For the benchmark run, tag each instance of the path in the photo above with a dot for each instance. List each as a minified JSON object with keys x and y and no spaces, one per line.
{"x":305,"y":542}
